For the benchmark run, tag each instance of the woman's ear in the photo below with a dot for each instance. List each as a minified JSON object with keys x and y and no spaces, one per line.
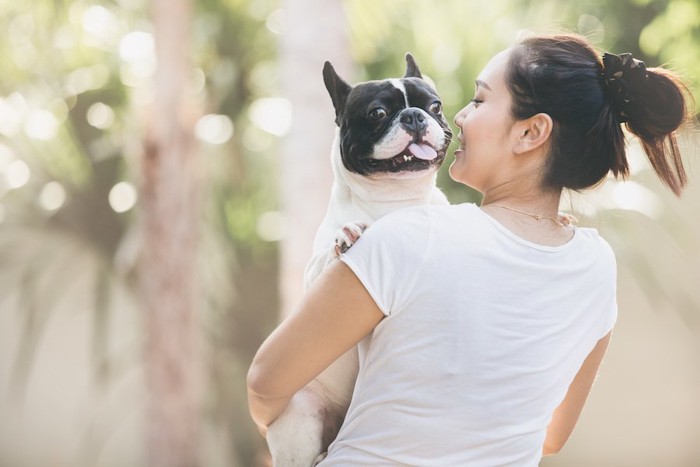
{"x":533,"y":132}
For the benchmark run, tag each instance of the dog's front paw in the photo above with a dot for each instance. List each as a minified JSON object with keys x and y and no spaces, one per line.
{"x":347,"y":236}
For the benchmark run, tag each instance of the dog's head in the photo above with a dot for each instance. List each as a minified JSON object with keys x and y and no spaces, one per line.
{"x":392,"y":128}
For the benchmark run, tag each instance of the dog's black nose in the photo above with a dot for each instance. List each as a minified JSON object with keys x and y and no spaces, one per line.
{"x":413,"y":120}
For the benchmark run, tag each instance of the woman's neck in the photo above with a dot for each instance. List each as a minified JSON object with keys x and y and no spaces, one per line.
{"x":531,"y":214}
{"x":531,"y":199}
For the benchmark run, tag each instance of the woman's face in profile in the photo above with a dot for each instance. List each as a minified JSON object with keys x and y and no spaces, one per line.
{"x":484,"y":128}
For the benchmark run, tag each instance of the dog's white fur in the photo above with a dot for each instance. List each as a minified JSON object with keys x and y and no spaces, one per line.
{"x":295,"y":438}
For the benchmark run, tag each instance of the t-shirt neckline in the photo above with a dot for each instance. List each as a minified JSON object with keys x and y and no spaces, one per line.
{"x":522,"y":240}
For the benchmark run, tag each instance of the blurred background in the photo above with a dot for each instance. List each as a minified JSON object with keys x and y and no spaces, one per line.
{"x":163,"y":168}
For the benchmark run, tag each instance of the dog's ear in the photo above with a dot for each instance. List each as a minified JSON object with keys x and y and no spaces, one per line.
{"x":412,"y":70}
{"x":337,"y":88}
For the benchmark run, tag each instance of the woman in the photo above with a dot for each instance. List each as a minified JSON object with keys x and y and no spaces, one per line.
{"x":486,"y":324}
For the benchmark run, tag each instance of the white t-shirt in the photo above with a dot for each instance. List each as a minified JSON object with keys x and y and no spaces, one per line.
{"x":483,"y":335}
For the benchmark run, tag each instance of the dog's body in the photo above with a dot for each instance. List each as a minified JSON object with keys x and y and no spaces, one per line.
{"x":391,"y":140}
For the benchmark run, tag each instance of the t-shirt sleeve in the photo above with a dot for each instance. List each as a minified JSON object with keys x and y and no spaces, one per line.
{"x":388,"y":257}
{"x":610,"y":308}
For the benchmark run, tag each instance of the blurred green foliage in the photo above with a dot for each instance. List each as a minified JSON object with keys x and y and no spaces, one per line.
{"x":75,"y":93}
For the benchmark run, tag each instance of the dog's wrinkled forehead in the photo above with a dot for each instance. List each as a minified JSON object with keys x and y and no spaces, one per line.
{"x":385,"y":94}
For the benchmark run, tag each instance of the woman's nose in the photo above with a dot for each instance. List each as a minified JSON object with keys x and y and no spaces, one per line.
{"x":459,"y":118}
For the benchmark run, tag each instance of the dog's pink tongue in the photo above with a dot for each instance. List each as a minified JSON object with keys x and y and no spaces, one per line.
{"x":422,"y":151}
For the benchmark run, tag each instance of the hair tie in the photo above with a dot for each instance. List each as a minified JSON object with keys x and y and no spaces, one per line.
{"x":622,"y":76}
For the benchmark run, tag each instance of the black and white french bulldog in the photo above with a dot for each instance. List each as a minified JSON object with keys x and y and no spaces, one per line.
{"x":390,"y":142}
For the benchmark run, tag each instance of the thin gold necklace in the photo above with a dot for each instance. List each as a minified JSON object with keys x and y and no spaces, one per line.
{"x":566,"y":219}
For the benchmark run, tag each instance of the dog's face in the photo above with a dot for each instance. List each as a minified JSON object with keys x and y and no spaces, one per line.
{"x":392,"y":128}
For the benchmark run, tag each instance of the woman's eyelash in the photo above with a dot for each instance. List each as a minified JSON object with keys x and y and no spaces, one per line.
{"x":477,"y":101}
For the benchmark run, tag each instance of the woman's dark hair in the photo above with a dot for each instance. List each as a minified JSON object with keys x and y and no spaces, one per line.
{"x":564,"y":77}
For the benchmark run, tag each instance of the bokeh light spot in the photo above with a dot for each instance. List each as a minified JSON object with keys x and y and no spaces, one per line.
{"x":214,"y":129}
{"x":122,"y":196}
{"x":100,"y":115}
{"x":17,"y":174}
{"x":137,"y":46}
{"x":41,"y":125}
{"x":52,"y":196}
{"x":271,"y":114}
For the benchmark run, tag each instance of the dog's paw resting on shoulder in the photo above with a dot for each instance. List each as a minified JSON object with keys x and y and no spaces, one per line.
{"x":347,"y":236}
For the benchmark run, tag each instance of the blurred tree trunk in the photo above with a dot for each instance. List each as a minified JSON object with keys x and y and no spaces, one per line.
{"x":168,"y":284}
{"x":315,"y":32}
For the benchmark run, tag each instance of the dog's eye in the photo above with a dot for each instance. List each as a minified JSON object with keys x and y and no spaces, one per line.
{"x":377,"y":114}
{"x":436,"y":107}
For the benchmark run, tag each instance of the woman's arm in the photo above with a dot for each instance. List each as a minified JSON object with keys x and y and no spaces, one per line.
{"x":567,"y":414}
{"x":334,"y":315}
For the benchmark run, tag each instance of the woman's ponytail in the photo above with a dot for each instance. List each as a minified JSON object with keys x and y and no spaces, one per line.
{"x":589,"y":99}
{"x":651,"y":102}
